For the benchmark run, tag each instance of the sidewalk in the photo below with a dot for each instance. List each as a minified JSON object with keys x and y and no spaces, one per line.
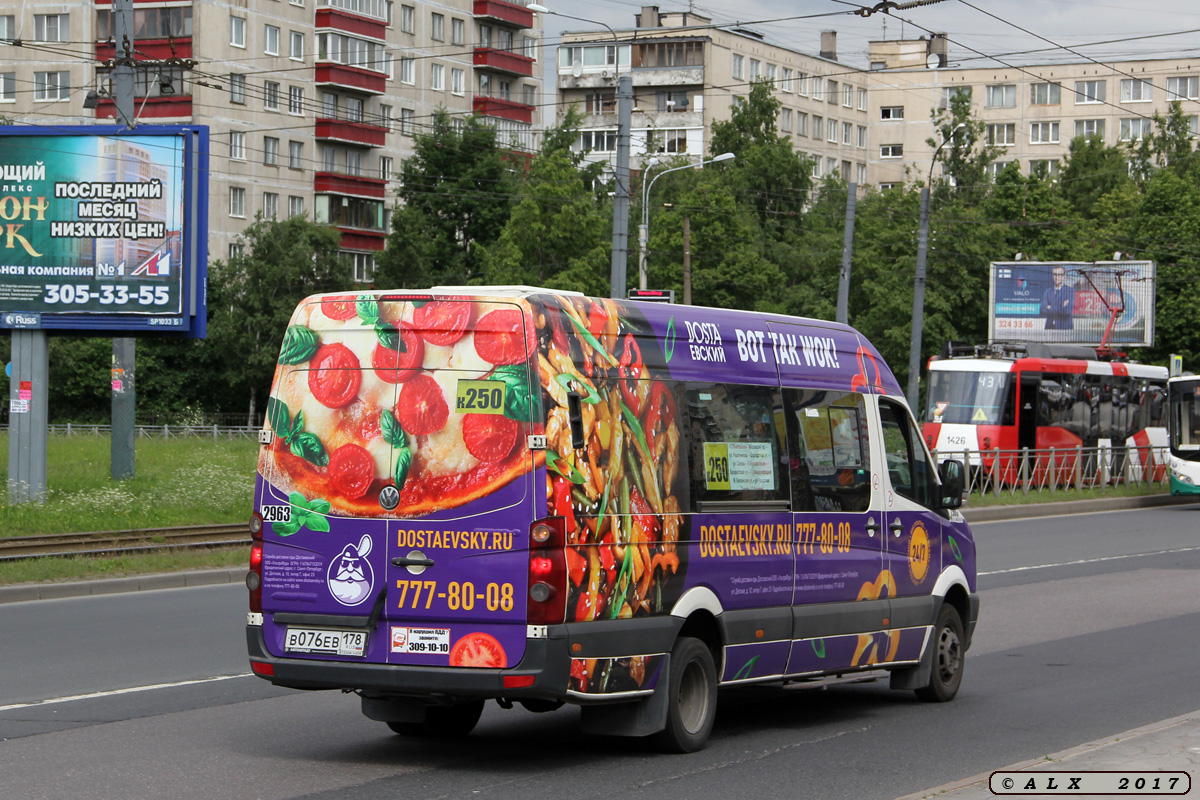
{"x":1172,"y":745}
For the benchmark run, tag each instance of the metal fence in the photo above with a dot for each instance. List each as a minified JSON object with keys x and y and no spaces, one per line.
{"x":158,"y":431}
{"x":998,"y":471}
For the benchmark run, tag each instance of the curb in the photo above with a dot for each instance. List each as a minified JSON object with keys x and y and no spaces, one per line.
{"x":1029,"y":510}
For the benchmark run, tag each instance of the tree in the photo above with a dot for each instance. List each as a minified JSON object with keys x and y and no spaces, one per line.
{"x":961,"y":131}
{"x":456,"y":194}
{"x":252,"y":296}
{"x":1092,"y":170}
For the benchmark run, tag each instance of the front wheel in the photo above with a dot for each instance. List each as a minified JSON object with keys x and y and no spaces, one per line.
{"x":691,"y":698}
{"x":948,"y":658}
{"x":444,"y":722}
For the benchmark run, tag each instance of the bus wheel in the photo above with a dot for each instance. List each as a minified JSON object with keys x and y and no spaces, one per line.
{"x":691,"y":698}
{"x":445,"y":722}
{"x":948,"y":658}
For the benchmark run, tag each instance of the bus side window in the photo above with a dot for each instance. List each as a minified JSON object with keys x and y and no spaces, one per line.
{"x":830,"y":446}
{"x":907,"y":464}
{"x":736,"y":444}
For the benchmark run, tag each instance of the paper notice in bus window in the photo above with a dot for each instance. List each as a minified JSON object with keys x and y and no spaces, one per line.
{"x":738,"y":466}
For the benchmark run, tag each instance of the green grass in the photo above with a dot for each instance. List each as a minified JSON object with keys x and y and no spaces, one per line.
{"x":47,"y":570}
{"x":1008,"y":498}
{"x":176,"y":482}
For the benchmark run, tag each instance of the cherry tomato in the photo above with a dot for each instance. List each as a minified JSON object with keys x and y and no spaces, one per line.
{"x":396,"y":367}
{"x":334,"y":376}
{"x":351,"y":470}
{"x":489,"y":437}
{"x":478,"y":650}
{"x":422,"y":407}
{"x":502,"y":337}
{"x":343,"y":308}
{"x":443,"y":322}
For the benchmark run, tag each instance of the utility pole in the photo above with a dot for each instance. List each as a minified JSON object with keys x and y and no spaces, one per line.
{"x":687,"y":260}
{"x":843,"y":297}
{"x":918,"y":320}
{"x":620,"y":226}
{"x":124,"y":348}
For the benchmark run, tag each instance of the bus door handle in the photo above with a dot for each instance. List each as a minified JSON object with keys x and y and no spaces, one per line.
{"x":896,"y":527}
{"x":872,"y":527}
{"x":409,"y":561}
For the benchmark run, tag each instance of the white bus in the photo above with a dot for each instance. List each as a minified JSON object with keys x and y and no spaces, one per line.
{"x":1183,"y":426}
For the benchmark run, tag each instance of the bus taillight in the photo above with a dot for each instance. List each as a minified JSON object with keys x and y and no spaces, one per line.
{"x":254,"y":577}
{"x":547,"y":572}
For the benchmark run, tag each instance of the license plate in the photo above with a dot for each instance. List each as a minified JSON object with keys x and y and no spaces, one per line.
{"x":312,"y":640}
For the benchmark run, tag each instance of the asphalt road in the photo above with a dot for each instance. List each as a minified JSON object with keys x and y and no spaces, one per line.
{"x":1084,"y":633}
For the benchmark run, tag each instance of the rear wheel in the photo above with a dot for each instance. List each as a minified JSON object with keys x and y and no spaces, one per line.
{"x":443,"y":721}
{"x":691,"y":698}
{"x":948,"y":658}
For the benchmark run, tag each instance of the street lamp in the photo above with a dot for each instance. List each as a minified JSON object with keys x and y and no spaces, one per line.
{"x":644,"y":228}
{"x":918,"y":320}
{"x":620,"y":227}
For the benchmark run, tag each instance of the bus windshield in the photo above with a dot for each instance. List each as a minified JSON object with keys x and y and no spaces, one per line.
{"x":1184,"y":419}
{"x":969,"y":398}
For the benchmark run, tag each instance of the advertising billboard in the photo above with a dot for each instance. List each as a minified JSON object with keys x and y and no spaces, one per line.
{"x":1072,"y":302}
{"x":104,"y":229}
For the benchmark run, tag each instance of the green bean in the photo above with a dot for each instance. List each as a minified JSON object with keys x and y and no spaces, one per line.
{"x":631,"y":466}
{"x":636,"y":427}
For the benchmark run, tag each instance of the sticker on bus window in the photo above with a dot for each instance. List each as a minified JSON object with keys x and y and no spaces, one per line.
{"x":480,"y":397}
{"x":738,"y":466}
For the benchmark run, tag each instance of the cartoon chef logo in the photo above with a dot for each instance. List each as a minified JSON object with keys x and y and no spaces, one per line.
{"x":350,"y":577}
{"x":918,"y":553}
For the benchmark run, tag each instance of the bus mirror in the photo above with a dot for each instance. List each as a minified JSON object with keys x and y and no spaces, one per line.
{"x":952,"y":484}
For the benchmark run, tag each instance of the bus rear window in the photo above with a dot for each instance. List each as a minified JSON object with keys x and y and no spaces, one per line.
{"x":968,"y":398}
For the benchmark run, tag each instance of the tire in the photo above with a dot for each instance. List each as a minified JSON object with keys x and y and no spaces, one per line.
{"x":948,"y":658}
{"x":691,"y":698}
{"x":443,"y":722}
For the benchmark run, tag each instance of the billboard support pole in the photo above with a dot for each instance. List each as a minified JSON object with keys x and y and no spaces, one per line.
{"x":918,"y":319}
{"x":28,"y":417}
{"x":124,"y":348}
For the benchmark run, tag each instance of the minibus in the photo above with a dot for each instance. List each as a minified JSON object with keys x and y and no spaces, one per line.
{"x":540,"y":498}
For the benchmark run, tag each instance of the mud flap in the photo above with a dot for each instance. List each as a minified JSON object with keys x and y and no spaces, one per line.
{"x":644,"y":717}
{"x":918,"y":676}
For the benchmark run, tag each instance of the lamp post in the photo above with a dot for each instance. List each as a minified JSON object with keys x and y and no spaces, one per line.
{"x":644,"y":228}
{"x":620,"y":227}
{"x":918,"y":320}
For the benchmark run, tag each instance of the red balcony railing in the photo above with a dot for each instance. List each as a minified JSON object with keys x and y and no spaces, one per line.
{"x":504,"y":61}
{"x":512,"y":13}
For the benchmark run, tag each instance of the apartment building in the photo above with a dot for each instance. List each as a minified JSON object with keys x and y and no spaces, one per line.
{"x":1030,"y":112}
{"x":311,"y":104}
{"x":687,"y":74}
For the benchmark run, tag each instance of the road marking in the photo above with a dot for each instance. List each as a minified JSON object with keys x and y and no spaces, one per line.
{"x":130,"y":690}
{"x":1072,"y":513}
{"x":1089,"y":561}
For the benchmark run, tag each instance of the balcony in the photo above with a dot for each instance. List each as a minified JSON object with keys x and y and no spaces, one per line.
{"x":338,"y":20}
{"x":360,"y":133}
{"x":352,"y":78}
{"x":501,"y":11}
{"x":353,"y":185}
{"x":149,"y":49}
{"x":149,"y":108}
{"x":487,"y":106}
{"x":503,"y":61}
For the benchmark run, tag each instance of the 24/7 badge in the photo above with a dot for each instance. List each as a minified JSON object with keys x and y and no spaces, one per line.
{"x":918,"y":553}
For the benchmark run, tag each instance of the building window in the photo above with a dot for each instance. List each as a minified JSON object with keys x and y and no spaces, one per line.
{"x":831,"y":92}
{"x":1002,"y":96}
{"x":755,"y":69}
{"x":847,"y":97}
{"x":353,"y":162}
{"x":295,"y":155}
{"x":1001,"y":135}
{"x":1089,"y":127}
{"x":237,"y":201}
{"x":270,"y":205}
{"x":993,"y":170}
{"x":458,"y":31}
{"x":8,"y":26}
{"x":1045,"y":94}
{"x":598,"y":141}
{"x":847,"y":133}
{"x":1044,"y":167}
{"x":1136,"y":90}
{"x":891,"y":112}
{"x":51,"y":28}
{"x":770,"y":74}
{"x":802,"y":84}
{"x":862,"y":136}
{"x":8,"y":87}
{"x":738,"y":68}
{"x":831,"y":166}
{"x":296,"y":46}
{"x":271,"y":40}
{"x":271,"y":95}
{"x":457,"y":81}
{"x":891,"y":151}
{"x":788,"y":84}
{"x":437,"y":77}
{"x":860,"y":173}
{"x":801,"y":123}
{"x":385,"y":116}
{"x":528,"y":94}
{"x":408,"y":119}
{"x":295,"y":206}
{"x":862,"y":98}
{"x":437,"y":27}
{"x":237,"y":89}
{"x":236,"y":251}
{"x":364,"y":267}
{"x":237,"y":145}
{"x":271,"y":151}
{"x":1043,"y":133}
{"x":407,"y":71}
{"x":328,"y":158}
{"x":948,"y":95}
{"x":51,"y":85}
{"x":354,"y":109}
{"x":385,"y":168}
{"x":408,"y":19}
{"x":295,"y":99}
{"x":1089,"y":92}
{"x":818,"y":127}
{"x":831,"y":127}
{"x":785,"y":120}
{"x":237,"y":31}
{"x":1183,"y":88}
{"x":1136,"y":129}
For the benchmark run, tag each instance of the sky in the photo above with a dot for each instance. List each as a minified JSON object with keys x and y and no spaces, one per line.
{"x":1106,"y":30}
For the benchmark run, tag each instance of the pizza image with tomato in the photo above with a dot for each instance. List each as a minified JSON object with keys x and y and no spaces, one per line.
{"x":478,"y":650}
{"x":430,"y":396}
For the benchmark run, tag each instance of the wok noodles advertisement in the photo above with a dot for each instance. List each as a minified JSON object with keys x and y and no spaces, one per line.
{"x":413,"y":439}
{"x":1072,"y":302}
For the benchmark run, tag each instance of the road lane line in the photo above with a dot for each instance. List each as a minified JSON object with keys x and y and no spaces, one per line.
{"x":1089,"y":561}
{"x":130,"y":690}
{"x":1059,"y":515}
